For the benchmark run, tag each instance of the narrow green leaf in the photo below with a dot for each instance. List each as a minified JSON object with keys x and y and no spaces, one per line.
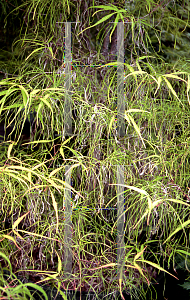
{"x":35,"y":286}
{"x":107,"y":7}
{"x":157,"y":266}
{"x":170,"y":87}
{"x":136,"y":128}
{"x":36,"y":50}
{"x":59,"y":263}
{"x":6,"y":258}
{"x":99,"y":22}
{"x":10,"y":149}
{"x":178,"y":229}
{"x":110,"y":125}
{"x":34,"y":92}
{"x":25,"y":95}
{"x":115,"y":25}
{"x":159,"y":81}
{"x":173,"y":76}
{"x":19,"y":220}
{"x":136,"y":110}
{"x":51,"y":51}
{"x":11,"y":239}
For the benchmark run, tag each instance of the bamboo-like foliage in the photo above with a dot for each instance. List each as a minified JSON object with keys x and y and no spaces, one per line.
{"x":154,"y":150}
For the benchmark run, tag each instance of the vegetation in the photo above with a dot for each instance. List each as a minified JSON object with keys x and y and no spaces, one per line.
{"x":154,"y":151}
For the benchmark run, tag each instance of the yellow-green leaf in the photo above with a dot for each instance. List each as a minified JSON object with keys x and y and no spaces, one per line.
{"x":25,"y":95}
{"x":159,"y":81}
{"x":105,"y":266}
{"x":19,"y":220}
{"x":178,"y":229}
{"x":36,"y":50}
{"x":11,"y":239}
{"x":136,"y":128}
{"x":110,"y":125}
{"x":10,"y":149}
{"x":157,"y":266}
{"x":99,"y":22}
{"x":59,"y":262}
{"x":4,"y":256}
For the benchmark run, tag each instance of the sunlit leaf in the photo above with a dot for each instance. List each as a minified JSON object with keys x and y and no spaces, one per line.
{"x":157,"y":266}
{"x":19,"y":220}
{"x":25,"y":95}
{"x":59,"y":262}
{"x":11,"y":239}
{"x":99,"y":22}
{"x":180,"y":227}
{"x":10,"y":149}
{"x":110,"y":124}
{"x":104,"y":266}
{"x":127,"y":116}
{"x":36,"y":50}
{"x":159,"y":81}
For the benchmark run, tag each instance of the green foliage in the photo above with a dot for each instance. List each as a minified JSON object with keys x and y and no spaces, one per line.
{"x":154,"y":149}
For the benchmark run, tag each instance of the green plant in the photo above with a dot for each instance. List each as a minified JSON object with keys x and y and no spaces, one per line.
{"x":154,"y":151}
